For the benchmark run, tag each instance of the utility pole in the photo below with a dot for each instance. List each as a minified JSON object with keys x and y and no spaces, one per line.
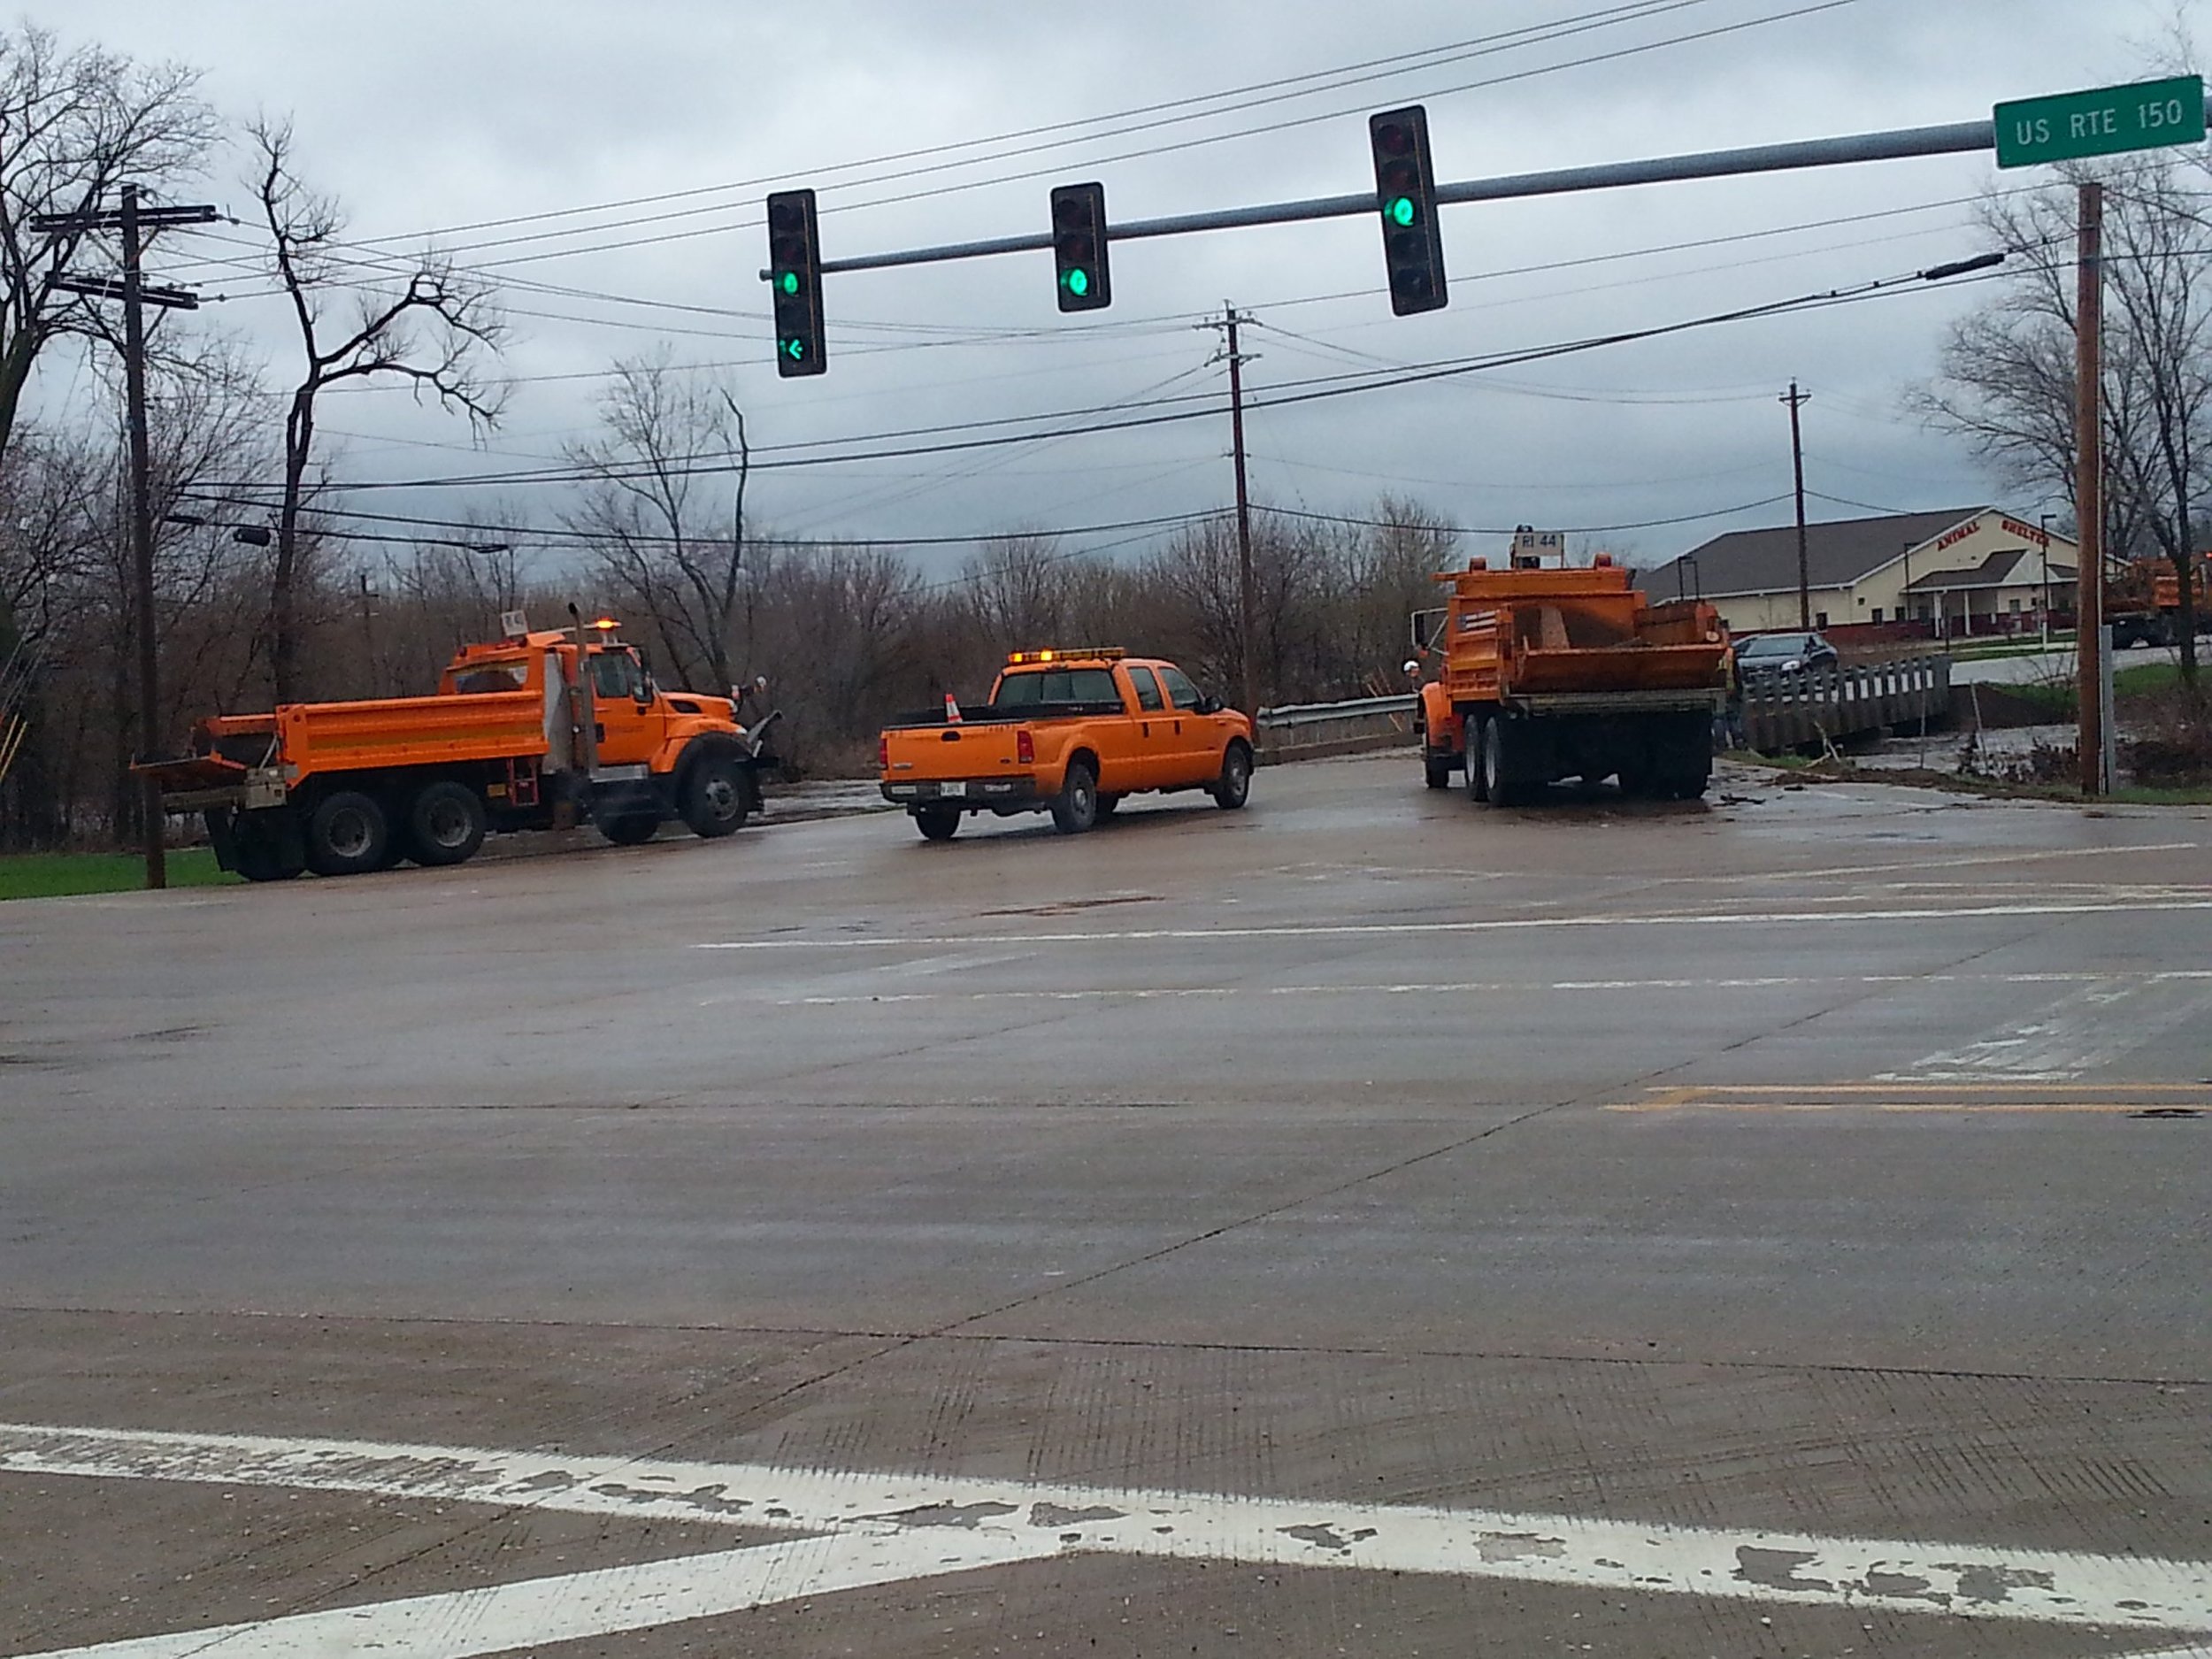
{"x":2043,"y":597}
{"x":135,"y":221}
{"x":1248,"y":696}
{"x":2089,"y":492}
{"x":1797,"y":400}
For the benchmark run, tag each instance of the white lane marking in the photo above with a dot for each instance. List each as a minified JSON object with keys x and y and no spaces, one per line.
{"x":1451,"y":987}
{"x":1491,"y":925}
{"x":573,"y":1607}
{"x":2090,"y":1027}
{"x":1916,"y":1577}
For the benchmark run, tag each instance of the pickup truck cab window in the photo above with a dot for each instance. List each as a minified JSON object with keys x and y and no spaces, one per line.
{"x":1149,"y":697}
{"x":1058,"y":684}
{"x":1180,"y":692}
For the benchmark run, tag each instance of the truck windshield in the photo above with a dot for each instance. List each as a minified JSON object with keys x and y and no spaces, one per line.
{"x":1056,"y":685}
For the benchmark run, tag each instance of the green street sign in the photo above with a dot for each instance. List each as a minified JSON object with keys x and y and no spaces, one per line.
{"x":2032,"y":132}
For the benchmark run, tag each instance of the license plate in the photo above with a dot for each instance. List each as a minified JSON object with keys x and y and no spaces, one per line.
{"x":952,"y":789}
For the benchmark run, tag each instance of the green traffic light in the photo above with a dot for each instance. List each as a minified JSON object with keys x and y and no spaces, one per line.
{"x":795,"y":349}
{"x":788,"y":283}
{"x":1079,"y":283}
{"x":1401,"y":211}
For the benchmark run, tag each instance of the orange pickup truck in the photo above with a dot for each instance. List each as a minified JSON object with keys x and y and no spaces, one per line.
{"x":1069,"y":732}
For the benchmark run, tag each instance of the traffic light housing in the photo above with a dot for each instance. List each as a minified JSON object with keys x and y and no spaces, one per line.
{"x":794,"y":277}
{"x":1079,"y":247}
{"x":1405,"y":194}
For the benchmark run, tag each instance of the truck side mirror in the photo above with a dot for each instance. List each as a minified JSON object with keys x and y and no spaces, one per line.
{"x":1208,"y":704}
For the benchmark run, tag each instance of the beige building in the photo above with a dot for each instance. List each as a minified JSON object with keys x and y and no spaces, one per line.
{"x":1969,"y":569}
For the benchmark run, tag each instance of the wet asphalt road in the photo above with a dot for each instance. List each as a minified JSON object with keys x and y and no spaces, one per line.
{"x":1822,"y":1164}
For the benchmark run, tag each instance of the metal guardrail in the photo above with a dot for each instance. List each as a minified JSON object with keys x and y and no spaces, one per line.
{"x":1775,"y":711}
{"x":1311,"y":730}
{"x":1298,"y":714}
{"x":1778,"y":711}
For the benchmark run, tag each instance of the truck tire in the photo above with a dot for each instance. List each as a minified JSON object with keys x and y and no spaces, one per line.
{"x":1436,"y":770}
{"x":1689,"y":784}
{"x":1233,"y":787}
{"x":259,"y":850}
{"x":1076,"y":807}
{"x":938,"y":823}
{"x":633,"y":831}
{"x":445,"y":824}
{"x":715,"y":803}
{"x":1499,"y":752}
{"x":1476,"y":733}
{"x":347,"y":835}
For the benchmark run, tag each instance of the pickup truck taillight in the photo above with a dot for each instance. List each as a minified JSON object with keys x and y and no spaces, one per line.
{"x":883,"y":753}
{"x":1024,"y":748}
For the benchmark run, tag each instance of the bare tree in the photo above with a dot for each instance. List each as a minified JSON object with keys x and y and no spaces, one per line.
{"x":1016,"y":592}
{"x":665,"y":512}
{"x":2007,"y":379}
{"x":427,"y":323}
{"x":74,"y":125}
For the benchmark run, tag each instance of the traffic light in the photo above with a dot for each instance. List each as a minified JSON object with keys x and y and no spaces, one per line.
{"x":1079,"y":247}
{"x":794,"y":275}
{"x":1405,"y":192}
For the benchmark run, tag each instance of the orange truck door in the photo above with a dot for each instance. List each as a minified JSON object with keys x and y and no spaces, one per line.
{"x":1154,"y":728}
{"x":1194,"y":760}
{"x":629,"y":733}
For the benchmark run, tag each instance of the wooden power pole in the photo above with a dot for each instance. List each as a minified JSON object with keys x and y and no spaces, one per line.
{"x":2089,"y":492}
{"x":1797,"y":400}
{"x":134,"y":221}
{"x":1248,"y":693}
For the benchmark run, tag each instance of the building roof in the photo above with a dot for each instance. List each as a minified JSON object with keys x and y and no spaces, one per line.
{"x":2006,"y":568}
{"x":1837,"y":554}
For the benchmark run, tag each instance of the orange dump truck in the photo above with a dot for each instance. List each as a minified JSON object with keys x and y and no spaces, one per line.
{"x":516,"y":737}
{"x":2142,"y":600}
{"x":1546,"y":671}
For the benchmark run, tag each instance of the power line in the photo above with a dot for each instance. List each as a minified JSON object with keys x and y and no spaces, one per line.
{"x":1314,"y":390}
{"x":1816,"y":6}
{"x":1334,"y":79}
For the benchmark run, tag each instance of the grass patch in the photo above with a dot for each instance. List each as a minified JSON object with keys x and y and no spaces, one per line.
{"x":64,"y":875}
{"x":2146,"y":679}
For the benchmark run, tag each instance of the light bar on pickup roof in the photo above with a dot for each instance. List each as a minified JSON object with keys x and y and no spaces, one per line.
{"x":1064,"y":654}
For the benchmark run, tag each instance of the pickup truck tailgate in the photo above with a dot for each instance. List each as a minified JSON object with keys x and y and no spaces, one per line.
{"x":978,"y":760}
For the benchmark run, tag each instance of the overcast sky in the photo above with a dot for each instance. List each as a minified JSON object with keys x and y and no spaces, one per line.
{"x":429,"y":120}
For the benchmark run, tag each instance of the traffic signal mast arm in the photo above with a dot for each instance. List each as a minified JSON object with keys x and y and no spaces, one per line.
{"x":1961,"y":138}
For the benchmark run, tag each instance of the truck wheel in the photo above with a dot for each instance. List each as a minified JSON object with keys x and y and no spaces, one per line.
{"x":1474,"y":731}
{"x":347,"y":835}
{"x":1076,"y":807}
{"x":1436,"y":770}
{"x":446,"y":823}
{"x":714,"y":798}
{"x":1498,"y":787}
{"x":937,"y":823}
{"x":633,"y":831}
{"x":258,"y":852}
{"x":1234,"y":786}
